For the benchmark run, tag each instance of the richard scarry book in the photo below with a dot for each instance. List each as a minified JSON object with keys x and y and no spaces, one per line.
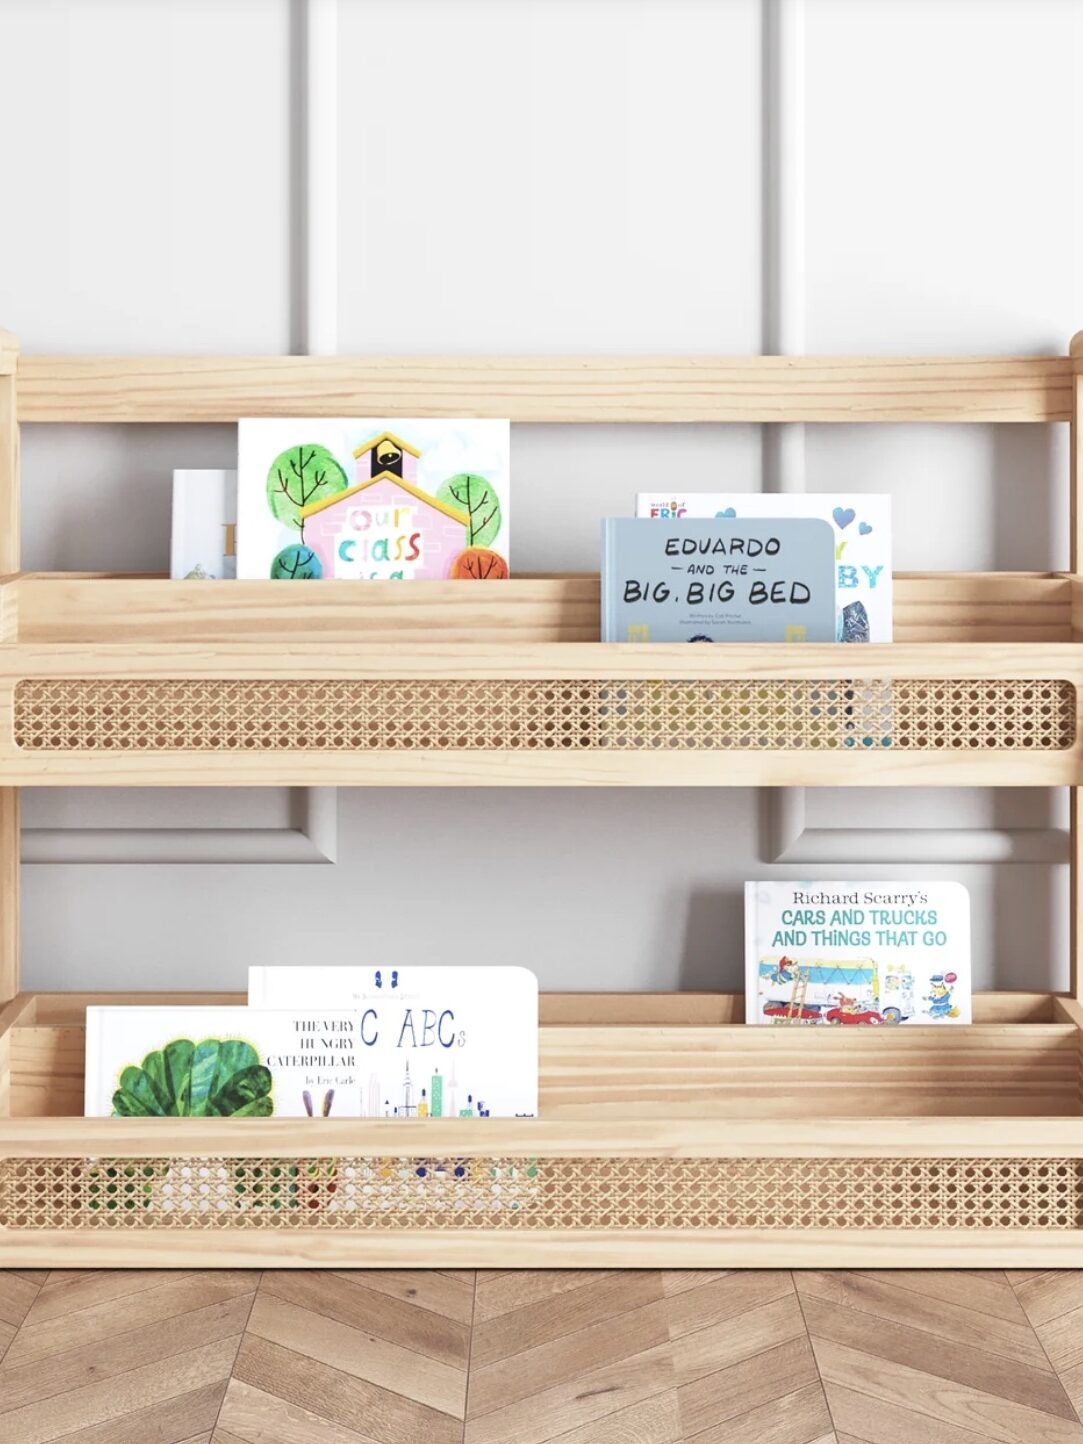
{"x":221,"y":1063}
{"x":860,"y":525}
{"x":845,"y":953}
{"x":433,"y":1042}
{"x":372,"y":499}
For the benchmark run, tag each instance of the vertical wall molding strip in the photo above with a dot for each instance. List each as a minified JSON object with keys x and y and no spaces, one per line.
{"x":785,"y":837}
{"x":783,"y":122}
{"x":783,"y":301}
{"x":320,"y":177}
{"x":313,"y":831}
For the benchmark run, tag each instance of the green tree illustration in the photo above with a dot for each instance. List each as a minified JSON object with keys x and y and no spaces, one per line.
{"x":296,"y":563}
{"x":475,"y":496}
{"x":298,"y":477}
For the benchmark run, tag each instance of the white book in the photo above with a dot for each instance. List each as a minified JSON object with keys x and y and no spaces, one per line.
{"x":203,"y":542}
{"x":848,"y":953}
{"x":433,"y":1042}
{"x":221,"y":1063}
{"x":862,"y":530}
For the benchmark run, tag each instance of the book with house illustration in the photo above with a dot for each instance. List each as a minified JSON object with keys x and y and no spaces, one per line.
{"x":717,"y":580}
{"x":433,"y":1042}
{"x":192,"y":1062}
{"x":373,"y":499}
{"x":860,"y":525}
{"x":203,"y":541}
{"x":846,"y":953}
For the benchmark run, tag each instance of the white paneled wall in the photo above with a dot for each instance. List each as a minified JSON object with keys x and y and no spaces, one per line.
{"x":554,"y":176}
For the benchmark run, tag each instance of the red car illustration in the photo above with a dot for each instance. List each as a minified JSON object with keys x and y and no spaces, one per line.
{"x":847,"y":1015}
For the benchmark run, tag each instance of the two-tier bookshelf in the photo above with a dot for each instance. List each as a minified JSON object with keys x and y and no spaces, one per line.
{"x":669,"y":1133}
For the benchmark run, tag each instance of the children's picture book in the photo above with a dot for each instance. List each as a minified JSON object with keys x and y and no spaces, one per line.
{"x":192,"y":1062}
{"x":861,"y":526}
{"x":373,"y":499}
{"x":203,"y":542}
{"x":454,"y":1042}
{"x":718,"y":580}
{"x":850,"y":953}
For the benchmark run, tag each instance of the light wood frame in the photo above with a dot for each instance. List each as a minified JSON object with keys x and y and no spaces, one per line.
{"x":1006,"y":1092}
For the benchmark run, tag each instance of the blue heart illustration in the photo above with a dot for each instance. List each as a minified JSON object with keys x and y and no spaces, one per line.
{"x":843,"y":518}
{"x":730,"y":511}
{"x":864,"y":528}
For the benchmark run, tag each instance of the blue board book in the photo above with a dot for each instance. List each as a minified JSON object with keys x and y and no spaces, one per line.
{"x":718,"y":580}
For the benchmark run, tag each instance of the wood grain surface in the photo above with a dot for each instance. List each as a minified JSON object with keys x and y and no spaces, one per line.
{"x":541,"y":1357}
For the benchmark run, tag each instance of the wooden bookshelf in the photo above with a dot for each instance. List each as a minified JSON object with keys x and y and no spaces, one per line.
{"x":670,"y":1134}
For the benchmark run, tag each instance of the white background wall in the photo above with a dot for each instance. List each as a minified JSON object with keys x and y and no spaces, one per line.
{"x":551,"y":176}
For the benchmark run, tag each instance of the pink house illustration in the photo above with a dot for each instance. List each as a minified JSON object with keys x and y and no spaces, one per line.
{"x":385,"y":528}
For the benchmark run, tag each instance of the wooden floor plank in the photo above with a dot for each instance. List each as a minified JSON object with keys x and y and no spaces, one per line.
{"x":424,"y":1288}
{"x":1051,"y":1295}
{"x":877,"y":1422}
{"x":341,"y":1398}
{"x":970,"y":1288}
{"x":725,"y":1298}
{"x":654,"y":1421}
{"x":595,"y":1395}
{"x":797,"y":1418}
{"x":559,"y":1360}
{"x":733,"y":1340}
{"x":921,"y":1350}
{"x":336,"y":1296}
{"x":678,"y":1281}
{"x":171,"y":1422}
{"x":252,"y":1416}
{"x":17,"y":1296}
{"x":561,"y":1314}
{"x":138,"y":1310}
{"x":943,"y":1401}
{"x":112,"y":1399}
{"x":41,"y":1379}
{"x":717,"y":1398}
{"x":358,"y":1353}
{"x":948,"y":1322}
{"x":501,"y":1293}
{"x":82,"y":1288}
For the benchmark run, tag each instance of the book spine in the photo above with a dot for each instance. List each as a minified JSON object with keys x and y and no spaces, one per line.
{"x":607,"y":582}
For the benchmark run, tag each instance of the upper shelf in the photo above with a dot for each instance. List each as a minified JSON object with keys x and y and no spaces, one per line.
{"x":602,"y":389}
{"x":427,"y":683}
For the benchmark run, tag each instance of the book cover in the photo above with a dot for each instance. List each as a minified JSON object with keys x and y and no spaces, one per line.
{"x":373,"y":499}
{"x":861,"y":526}
{"x":433,"y":1042}
{"x":718,"y":580}
{"x":849,"y":953}
{"x":221,"y":1063}
{"x":203,"y":540}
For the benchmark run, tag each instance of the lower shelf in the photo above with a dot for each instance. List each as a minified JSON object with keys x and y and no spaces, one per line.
{"x":670,"y":1135}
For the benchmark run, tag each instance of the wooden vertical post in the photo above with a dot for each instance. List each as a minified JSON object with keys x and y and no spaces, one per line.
{"x":9,"y":563}
{"x":1075,"y":350}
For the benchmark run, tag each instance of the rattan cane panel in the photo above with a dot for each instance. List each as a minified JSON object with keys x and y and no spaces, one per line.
{"x":88,"y":715}
{"x":367,"y":1194}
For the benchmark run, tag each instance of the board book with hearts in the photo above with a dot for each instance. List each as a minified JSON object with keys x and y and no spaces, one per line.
{"x":862,"y":530}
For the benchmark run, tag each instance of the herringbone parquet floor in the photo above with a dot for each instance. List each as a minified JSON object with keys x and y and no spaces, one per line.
{"x":533,"y":1358}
